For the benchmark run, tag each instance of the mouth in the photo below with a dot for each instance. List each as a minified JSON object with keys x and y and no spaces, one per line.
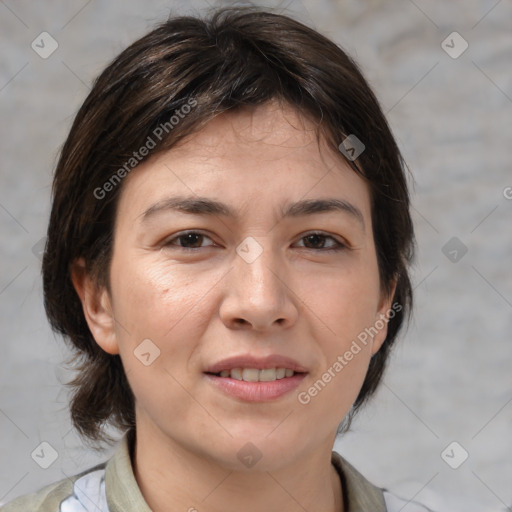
{"x":251,"y":379}
{"x":256,"y":375}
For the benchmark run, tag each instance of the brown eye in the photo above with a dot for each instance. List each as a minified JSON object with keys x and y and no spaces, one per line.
{"x":189,"y":240}
{"x":317,"y":241}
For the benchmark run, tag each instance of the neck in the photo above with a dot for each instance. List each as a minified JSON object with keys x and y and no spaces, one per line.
{"x":173,"y":478}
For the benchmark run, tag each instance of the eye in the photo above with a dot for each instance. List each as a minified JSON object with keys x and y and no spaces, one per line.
{"x":188,"y":240}
{"x":193,"y":240}
{"x":314,"y":240}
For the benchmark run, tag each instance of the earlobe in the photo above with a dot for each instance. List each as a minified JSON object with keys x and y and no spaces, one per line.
{"x":96,"y":306}
{"x":383,"y":315}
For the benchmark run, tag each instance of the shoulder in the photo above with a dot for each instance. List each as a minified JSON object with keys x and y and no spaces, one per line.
{"x":68,"y":495}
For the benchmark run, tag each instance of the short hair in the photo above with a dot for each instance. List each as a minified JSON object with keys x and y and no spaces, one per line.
{"x":201,"y":67}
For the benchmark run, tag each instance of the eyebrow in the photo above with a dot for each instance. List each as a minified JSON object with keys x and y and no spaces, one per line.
{"x":195,"y":205}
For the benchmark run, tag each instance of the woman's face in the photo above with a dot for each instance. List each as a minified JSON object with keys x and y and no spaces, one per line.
{"x":253,"y":270}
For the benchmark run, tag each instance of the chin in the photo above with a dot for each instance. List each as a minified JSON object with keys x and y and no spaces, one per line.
{"x":252,"y":452}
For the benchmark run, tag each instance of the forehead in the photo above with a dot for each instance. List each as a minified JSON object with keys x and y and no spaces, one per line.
{"x":279,"y":126}
{"x":252,"y":156}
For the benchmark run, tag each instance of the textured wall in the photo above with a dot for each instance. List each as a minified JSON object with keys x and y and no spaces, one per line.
{"x":450,"y":377}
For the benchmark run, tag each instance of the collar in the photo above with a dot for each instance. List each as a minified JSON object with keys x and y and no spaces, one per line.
{"x":358,"y":493}
{"x":123,"y":492}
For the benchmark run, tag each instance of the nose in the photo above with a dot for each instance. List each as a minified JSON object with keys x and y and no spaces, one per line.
{"x":259,"y":295}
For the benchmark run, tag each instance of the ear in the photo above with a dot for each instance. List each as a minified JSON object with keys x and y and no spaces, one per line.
{"x":383,"y":315}
{"x":97,"y":307}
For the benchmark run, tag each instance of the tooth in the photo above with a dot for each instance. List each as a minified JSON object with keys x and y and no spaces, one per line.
{"x":236,"y":373}
{"x":250,"y":374}
{"x":280,"y":373}
{"x":255,"y":375}
{"x":268,"y":375}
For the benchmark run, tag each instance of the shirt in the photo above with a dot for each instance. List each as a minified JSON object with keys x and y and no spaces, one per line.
{"x":111,"y":487}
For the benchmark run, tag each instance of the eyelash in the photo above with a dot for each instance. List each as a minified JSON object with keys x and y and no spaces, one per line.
{"x":338,"y":247}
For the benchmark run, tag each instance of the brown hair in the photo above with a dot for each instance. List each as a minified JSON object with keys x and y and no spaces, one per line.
{"x":235,"y":57}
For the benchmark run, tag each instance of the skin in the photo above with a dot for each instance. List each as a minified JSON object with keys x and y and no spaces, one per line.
{"x":200,"y":306}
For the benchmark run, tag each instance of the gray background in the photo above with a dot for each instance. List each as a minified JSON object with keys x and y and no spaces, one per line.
{"x":450,"y":377}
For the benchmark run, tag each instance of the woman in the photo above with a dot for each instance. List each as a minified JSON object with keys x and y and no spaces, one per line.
{"x":227,"y":254}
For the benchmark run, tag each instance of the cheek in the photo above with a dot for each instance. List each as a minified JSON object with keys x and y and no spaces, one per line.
{"x":166,"y":304}
{"x":346,"y":301}
{"x":156,"y":298}
{"x":159,"y":314}
{"x":344,"y":358}
{"x":150,"y":305}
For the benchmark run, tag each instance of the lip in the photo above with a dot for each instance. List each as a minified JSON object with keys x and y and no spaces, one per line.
{"x":259,"y":363}
{"x":256,"y":391}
